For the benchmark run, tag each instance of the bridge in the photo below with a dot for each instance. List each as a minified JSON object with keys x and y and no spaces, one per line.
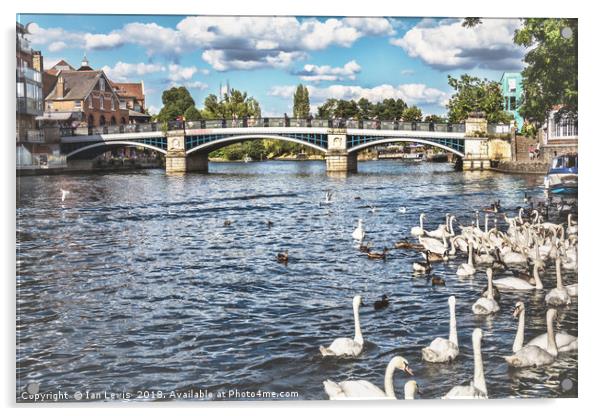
{"x":186,"y":145}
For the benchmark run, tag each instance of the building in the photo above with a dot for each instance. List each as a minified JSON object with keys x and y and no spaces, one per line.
{"x":82,"y":98}
{"x":131,"y":98}
{"x":35,"y":146}
{"x":559,"y":134}
{"x":512,"y":91}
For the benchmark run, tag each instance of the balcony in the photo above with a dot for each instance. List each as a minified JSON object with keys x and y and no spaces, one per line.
{"x":29,"y":106}
{"x":29,"y":74}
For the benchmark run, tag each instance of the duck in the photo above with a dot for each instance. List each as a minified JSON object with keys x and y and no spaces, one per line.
{"x":532,"y":355}
{"x":378,"y":256}
{"x":382,"y":303}
{"x":437,"y":281}
{"x":519,"y":283}
{"x":347,"y":346}
{"x":486,"y":305}
{"x":442,"y":350}
{"x":435,"y":257}
{"x":419,"y":231}
{"x":409,"y":245}
{"x":269,"y":223}
{"x":423,"y":267}
{"x":366,"y":390}
{"x":359,"y":232}
{"x":227,"y":223}
{"x":558,"y":296}
{"x":467,"y":269}
{"x":282,"y":257}
{"x":477,"y":389}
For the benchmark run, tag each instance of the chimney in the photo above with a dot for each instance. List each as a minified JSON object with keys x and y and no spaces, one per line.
{"x":60,"y":87}
{"x":38,"y":61}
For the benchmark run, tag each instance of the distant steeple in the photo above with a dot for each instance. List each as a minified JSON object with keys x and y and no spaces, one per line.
{"x":85,"y":64}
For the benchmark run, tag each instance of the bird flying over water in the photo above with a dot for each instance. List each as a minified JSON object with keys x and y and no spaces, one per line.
{"x":64,"y":194}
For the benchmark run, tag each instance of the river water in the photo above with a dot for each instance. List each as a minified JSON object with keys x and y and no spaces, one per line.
{"x":133,"y":286}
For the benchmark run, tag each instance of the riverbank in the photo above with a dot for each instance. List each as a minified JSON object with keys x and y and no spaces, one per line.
{"x":521,"y":167}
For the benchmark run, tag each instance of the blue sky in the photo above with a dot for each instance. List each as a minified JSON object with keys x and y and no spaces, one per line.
{"x":350,"y":58}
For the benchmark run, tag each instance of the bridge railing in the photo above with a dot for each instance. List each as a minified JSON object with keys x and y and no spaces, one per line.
{"x":268,"y":122}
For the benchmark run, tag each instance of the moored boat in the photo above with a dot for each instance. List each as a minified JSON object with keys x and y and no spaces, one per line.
{"x":562,"y":175}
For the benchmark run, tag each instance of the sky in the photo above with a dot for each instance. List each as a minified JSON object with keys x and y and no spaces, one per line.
{"x":346,"y":58}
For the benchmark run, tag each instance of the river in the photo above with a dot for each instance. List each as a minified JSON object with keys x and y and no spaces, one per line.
{"x":133,"y":285}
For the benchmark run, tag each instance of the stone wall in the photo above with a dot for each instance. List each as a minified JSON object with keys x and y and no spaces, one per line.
{"x":540,"y":168}
{"x":340,"y":161}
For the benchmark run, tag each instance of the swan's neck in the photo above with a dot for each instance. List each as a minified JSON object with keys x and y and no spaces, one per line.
{"x":486,"y":223}
{"x":520,"y":332}
{"x":451,"y":227}
{"x":559,"y":284}
{"x":453,"y":333}
{"x":409,"y":391}
{"x":389,"y":389}
{"x":452,"y":242}
{"x":478,"y":228}
{"x":444,"y":241}
{"x":358,"y":332}
{"x":569,"y":220}
{"x":479,"y":373}
{"x":421,"y":222}
{"x":470,"y":255}
{"x":490,"y":286}
{"x":538,"y":284}
{"x":552,"y":347}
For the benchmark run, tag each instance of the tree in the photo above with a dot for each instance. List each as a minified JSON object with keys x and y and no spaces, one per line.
{"x":301,"y":102}
{"x":176,"y":101}
{"x":366,"y":109}
{"x":192,"y":114}
{"x":412,"y":113}
{"x":433,"y":118}
{"x":471,"y":21}
{"x":550,"y":77}
{"x":346,"y":109}
{"x":235,"y":104}
{"x":326,"y":110}
{"x":473,"y":94}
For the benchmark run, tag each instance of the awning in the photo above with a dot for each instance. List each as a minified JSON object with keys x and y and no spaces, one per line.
{"x":133,"y":113}
{"x":58,"y":116}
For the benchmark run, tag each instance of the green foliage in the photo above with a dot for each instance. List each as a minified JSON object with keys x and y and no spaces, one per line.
{"x":471,"y":22}
{"x":363,"y":109}
{"x":473,"y":94}
{"x":433,"y":118}
{"x":301,"y":102}
{"x":176,"y":101}
{"x":236,"y":104}
{"x":261,"y":149}
{"x":412,"y":113}
{"x":550,"y":77}
{"x":192,"y":114}
{"x":326,"y":110}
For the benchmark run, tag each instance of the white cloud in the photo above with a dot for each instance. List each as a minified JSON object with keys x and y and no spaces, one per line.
{"x":410,"y":93}
{"x":123,"y":71}
{"x":446,"y":44}
{"x":57,"y":46}
{"x":180,"y":73}
{"x":228,"y":41}
{"x":315,"y":73}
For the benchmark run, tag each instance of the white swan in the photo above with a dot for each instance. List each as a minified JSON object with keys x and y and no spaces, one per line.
{"x":441,"y":231}
{"x":467,"y":269}
{"x":402,"y":210}
{"x":64,"y":194}
{"x":572,"y":289}
{"x":477,"y":388}
{"x":419,"y":231}
{"x":347,"y":346}
{"x":433,"y":244}
{"x":359,"y":233}
{"x":444,"y":350}
{"x":558,"y":296}
{"x":533,"y":355}
{"x":516,"y":283}
{"x":486,"y":305}
{"x":366,"y":390}
{"x":410,"y":389}
{"x":571,"y":227}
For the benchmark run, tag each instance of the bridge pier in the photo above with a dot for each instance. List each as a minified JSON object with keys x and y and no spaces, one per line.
{"x":341,"y":161}
{"x":175,"y":159}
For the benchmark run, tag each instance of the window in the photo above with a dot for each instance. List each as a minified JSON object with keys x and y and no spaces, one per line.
{"x":78,"y":104}
{"x":90,"y":105}
{"x":512,"y":106}
{"x":512,"y":85}
{"x":101,"y":84}
{"x":112,"y":105}
{"x":101,"y":100}
{"x":20,"y":89}
{"x":122,"y":104}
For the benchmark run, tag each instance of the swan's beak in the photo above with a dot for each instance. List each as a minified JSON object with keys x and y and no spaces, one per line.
{"x":408,"y":370}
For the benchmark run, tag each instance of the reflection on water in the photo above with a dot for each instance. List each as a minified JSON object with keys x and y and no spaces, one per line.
{"x":133,"y":283}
